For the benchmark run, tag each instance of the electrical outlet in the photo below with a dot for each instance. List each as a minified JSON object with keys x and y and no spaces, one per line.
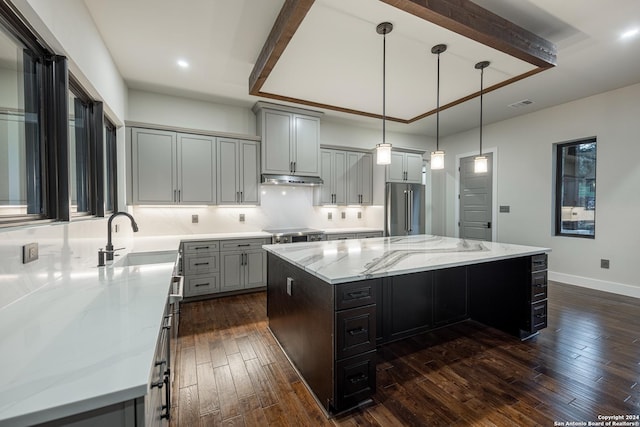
{"x":604,"y":263}
{"x":329,"y":215}
{"x":343,"y":215}
{"x":194,"y":219}
{"x":241,"y":217}
{"x":29,"y":252}
{"x":505,"y":208}
{"x":116,"y":228}
{"x":359,"y":215}
{"x":289,"y":285}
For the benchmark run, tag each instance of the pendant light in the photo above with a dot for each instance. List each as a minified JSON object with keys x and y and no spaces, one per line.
{"x":480,"y":163}
{"x":437,"y":157}
{"x":383,"y":150}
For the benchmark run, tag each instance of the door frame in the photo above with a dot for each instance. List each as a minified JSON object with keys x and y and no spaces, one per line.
{"x":494,"y":191}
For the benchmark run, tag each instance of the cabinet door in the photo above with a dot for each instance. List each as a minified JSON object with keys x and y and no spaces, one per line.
{"x":353,"y":187}
{"x":228,"y":185}
{"x":395,"y":170}
{"x":249,"y":172}
{"x":413,"y":167}
{"x":450,"y":295}
{"x":365,"y":174}
{"x":231,"y":271}
{"x":255,"y":271}
{"x":276,"y":138}
{"x":197,"y":169}
{"x":306,"y":148}
{"x":326,"y":190}
{"x":154,"y":165}
{"x":340,"y":177}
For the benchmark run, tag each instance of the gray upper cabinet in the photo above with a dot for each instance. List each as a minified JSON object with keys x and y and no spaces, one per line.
{"x":172,"y":168}
{"x":238,"y":172}
{"x":405,"y":167}
{"x":359,"y":178}
{"x":290,"y":140}
{"x":333,"y":167}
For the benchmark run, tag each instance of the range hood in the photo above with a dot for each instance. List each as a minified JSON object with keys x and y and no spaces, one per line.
{"x":291,"y":180}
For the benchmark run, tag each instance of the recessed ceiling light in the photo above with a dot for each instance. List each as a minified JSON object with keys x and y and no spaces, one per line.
{"x":630,"y":33}
{"x":182,"y":63}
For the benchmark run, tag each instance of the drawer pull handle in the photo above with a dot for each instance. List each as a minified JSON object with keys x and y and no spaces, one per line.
{"x":201,"y":284}
{"x":200,"y":263}
{"x":201,"y":247}
{"x":244,"y":245}
{"x":358,"y":294}
{"x":158,"y":384}
{"x":358,"y":378}
{"x":541,"y":316}
{"x":359,"y":331}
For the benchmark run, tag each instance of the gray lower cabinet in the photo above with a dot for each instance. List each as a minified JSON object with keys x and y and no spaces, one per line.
{"x":361,"y":235}
{"x":201,"y":267}
{"x":212,"y":267}
{"x":243,"y":264}
{"x":169,"y":168}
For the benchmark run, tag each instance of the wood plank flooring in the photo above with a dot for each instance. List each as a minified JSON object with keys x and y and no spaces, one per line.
{"x":230,"y":371}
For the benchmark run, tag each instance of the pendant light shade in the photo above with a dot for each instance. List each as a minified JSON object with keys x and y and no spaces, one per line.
{"x":437,"y":157}
{"x":480,"y":163}
{"x":383,"y":150}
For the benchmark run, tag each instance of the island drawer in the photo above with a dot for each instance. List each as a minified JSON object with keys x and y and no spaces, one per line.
{"x":243,"y":244}
{"x":355,"y":380}
{"x":199,"y":247}
{"x":538,"y":316}
{"x":355,"y":331}
{"x":341,"y":236}
{"x":538,"y":286}
{"x":201,"y":264}
{"x":202,"y":284}
{"x":355,"y":294}
{"x":539,"y":262}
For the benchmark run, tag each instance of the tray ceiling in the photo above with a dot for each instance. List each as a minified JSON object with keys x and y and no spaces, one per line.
{"x":334,"y":58}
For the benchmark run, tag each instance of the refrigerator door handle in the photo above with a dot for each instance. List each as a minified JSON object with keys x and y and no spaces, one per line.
{"x":410,"y":211}
{"x":406,"y":210}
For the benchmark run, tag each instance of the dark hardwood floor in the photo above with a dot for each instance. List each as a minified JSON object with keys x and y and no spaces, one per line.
{"x":586,"y":364}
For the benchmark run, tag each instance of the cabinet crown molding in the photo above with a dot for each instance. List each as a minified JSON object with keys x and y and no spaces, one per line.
{"x":295,"y":110}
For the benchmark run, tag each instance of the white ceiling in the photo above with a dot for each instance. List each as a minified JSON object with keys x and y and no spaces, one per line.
{"x":335,"y":57}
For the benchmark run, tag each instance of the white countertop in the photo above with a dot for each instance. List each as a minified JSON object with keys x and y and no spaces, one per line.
{"x":84,"y":341}
{"x":352,"y":230}
{"x":341,"y":261}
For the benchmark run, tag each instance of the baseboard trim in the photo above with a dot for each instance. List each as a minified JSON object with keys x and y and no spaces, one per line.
{"x":600,"y":285}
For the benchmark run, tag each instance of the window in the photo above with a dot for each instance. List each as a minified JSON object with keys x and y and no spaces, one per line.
{"x":21,"y":153}
{"x":110,"y":168}
{"x":79,"y":154}
{"x":575,"y":204}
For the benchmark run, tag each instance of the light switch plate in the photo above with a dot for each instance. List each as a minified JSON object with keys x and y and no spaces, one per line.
{"x":29,"y":252}
{"x":289,"y":285}
{"x":194,"y":219}
{"x":505,"y":209}
{"x":604,"y":263}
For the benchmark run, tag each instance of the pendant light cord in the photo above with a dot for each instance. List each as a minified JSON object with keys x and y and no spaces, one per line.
{"x":481,"y":95}
{"x":438,"y":107}
{"x":384,"y":79}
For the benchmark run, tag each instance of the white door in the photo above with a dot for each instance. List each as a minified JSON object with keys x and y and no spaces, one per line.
{"x":475,"y":200}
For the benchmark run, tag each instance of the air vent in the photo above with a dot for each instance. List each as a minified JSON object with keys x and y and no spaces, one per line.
{"x":521,"y":104}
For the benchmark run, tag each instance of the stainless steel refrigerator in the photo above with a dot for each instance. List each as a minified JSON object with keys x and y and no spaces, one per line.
{"x":404,"y":209}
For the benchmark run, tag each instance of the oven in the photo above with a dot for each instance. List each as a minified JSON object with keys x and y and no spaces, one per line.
{"x":295,"y":235}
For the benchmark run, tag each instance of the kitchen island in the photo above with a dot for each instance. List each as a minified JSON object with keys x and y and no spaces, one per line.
{"x":330,"y":304}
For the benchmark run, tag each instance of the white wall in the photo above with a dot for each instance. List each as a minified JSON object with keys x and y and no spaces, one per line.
{"x":524,"y":182}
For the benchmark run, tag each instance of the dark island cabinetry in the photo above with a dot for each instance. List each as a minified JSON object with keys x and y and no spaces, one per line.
{"x":330,"y":331}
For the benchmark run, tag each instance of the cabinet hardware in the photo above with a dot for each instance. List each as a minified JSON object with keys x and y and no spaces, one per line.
{"x":200,"y":263}
{"x":167,"y":395}
{"x":175,"y":199}
{"x":179,"y":197}
{"x":358,"y":331}
{"x":201,"y":284}
{"x":160,"y":362}
{"x":244,"y":245}
{"x":358,"y":378}
{"x":157,"y":384}
{"x":201,"y":247}
{"x":241,"y":197}
{"x":359,"y":294}
{"x":167,"y":321}
{"x":294,"y":166}
{"x":291,"y":167}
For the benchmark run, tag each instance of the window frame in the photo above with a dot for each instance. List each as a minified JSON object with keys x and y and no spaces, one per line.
{"x":558,"y":187}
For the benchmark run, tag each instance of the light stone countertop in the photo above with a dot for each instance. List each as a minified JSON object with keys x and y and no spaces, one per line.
{"x":84,"y":341}
{"x":341,"y":261}
{"x":352,"y":230}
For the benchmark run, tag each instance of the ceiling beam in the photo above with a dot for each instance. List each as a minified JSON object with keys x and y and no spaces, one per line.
{"x":476,"y":23}
{"x":289,"y":19}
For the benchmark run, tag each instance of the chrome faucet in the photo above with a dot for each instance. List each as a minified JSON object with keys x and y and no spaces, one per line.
{"x":108,"y":250}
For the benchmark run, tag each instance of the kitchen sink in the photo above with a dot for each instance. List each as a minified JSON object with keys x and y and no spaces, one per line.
{"x":145,"y":258}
